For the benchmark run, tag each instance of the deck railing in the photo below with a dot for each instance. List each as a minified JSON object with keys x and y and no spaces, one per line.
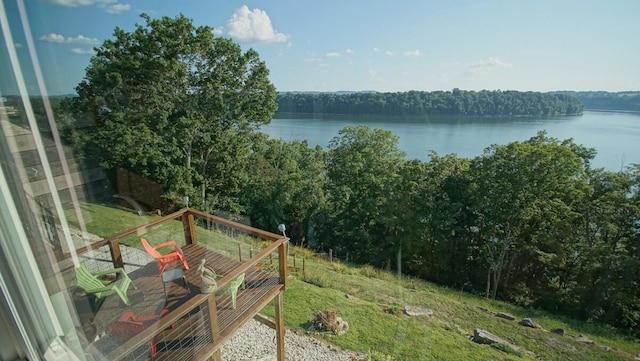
{"x":193,"y":223}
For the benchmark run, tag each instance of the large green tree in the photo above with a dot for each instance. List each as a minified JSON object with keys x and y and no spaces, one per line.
{"x":286,"y":186}
{"x":363,"y":170}
{"x":523,"y":194}
{"x":445,"y":221}
{"x":178,"y":105}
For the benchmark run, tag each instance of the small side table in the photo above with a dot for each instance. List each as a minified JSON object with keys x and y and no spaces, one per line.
{"x":172,"y":275}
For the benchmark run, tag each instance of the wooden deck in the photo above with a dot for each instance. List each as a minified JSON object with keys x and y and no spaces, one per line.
{"x":195,"y":325}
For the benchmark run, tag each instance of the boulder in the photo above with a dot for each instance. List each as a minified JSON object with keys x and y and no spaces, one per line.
{"x":528,"y":323}
{"x":487,"y":338}
{"x":417,"y":311}
{"x":485,"y":310}
{"x":329,"y":321}
{"x":506,"y":316}
{"x":584,"y":339}
{"x":558,"y":331}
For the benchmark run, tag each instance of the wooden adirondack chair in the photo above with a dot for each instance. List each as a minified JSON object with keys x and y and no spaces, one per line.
{"x":164,"y":260}
{"x":129,"y":325}
{"x":232,"y":288}
{"x":91,"y":283}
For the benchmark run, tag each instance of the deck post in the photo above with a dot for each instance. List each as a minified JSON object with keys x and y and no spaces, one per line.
{"x":282,"y":257}
{"x":279,"y":326}
{"x":189,"y":229}
{"x":116,"y":256}
{"x":213,"y":324}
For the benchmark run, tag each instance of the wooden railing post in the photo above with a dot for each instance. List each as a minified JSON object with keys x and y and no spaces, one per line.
{"x":282,"y":256}
{"x":116,"y":256}
{"x":189,"y":229}
{"x":279,"y":326}
{"x":213,"y":324}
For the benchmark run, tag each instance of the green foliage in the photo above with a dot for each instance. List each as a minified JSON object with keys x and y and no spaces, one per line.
{"x":602,"y":100}
{"x":177,"y":105}
{"x":378,"y":356}
{"x":419,"y":103}
{"x":368,"y":271}
{"x":286,"y":186}
{"x":362,"y":171}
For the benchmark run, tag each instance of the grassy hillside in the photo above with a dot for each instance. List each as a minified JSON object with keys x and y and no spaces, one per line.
{"x":372,"y":302}
{"x":374,"y":311}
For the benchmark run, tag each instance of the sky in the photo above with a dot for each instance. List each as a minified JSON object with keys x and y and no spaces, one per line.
{"x":387,"y":46}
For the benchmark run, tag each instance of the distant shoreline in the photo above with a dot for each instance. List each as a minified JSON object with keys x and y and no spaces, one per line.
{"x":612,"y":111}
{"x":290,"y":115}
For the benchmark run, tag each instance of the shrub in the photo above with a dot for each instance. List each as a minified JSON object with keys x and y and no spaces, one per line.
{"x":368,"y":271}
{"x":378,"y":356}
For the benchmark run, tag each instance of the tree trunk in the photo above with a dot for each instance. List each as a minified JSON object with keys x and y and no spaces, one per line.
{"x":488,"y":283}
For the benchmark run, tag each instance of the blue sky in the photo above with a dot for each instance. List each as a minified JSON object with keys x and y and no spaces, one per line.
{"x":371,"y":45}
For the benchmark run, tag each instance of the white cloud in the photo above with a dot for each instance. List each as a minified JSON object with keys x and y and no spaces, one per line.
{"x":485,"y":66}
{"x":349,"y":51}
{"x":389,"y":53}
{"x":71,"y":3}
{"x":110,"y":6}
{"x":376,"y":50}
{"x":492,"y":62}
{"x":53,"y":38}
{"x":83,"y":51}
{"x":116,"y":8}
{"x":252,"y":26}
{"x":219,"y":31}
{"x":80,"y":39}
{"x":332,"y":55}
{"x":413,"y":53}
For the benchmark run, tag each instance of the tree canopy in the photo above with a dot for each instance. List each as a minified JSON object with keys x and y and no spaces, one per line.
{"x":179,"y":106}
{"x":420,"y":103}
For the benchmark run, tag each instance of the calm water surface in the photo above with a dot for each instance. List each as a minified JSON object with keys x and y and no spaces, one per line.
{"x":616,"y":136}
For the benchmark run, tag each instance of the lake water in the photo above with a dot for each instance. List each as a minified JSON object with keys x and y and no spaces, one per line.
{"x":616,"y":136}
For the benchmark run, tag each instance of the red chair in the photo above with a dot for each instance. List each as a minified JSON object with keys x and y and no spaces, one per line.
{"x":164,"y":260}
{"x":129,"y":325}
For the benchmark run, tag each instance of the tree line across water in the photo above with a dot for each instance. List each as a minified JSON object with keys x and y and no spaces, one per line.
{"x":530,"y":222}
{"x":421,"y":103}
{"x":602,"y":100}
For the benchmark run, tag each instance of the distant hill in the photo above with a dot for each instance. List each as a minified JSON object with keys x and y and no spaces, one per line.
{"x":611,"y":101}
{"x":420,"y":103}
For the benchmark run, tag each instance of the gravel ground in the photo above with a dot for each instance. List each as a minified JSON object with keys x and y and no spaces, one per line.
{"x":257,"y":342}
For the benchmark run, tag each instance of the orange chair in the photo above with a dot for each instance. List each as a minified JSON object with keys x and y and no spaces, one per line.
{"x":164,"y":260}
{"x":129,"y":325}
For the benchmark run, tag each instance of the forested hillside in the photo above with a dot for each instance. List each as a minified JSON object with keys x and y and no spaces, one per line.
{"x":419,"y":103}
{"x":601,"y":100}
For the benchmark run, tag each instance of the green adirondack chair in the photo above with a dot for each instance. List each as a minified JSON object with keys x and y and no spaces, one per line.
{"x":232,"y":288}
{"x":91,"y":283}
